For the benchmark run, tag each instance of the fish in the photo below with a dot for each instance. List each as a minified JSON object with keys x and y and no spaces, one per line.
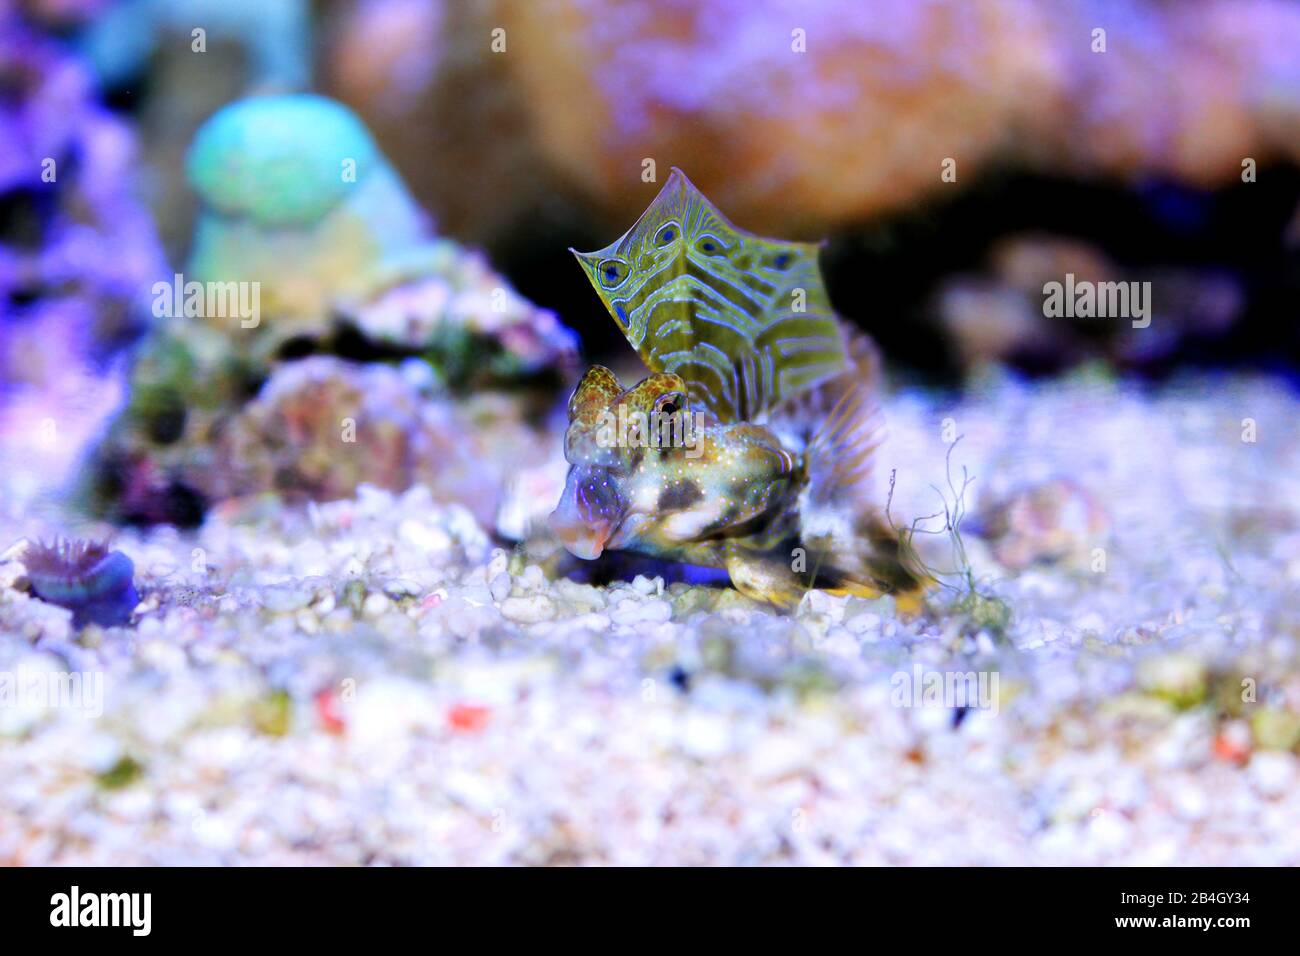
{"x":749,"y":446}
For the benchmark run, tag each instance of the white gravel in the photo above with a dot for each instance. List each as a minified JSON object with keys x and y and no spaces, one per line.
{"x":371,"y":682}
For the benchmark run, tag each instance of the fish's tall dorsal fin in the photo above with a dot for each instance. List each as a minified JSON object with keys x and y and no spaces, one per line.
{"x":744,"y":320}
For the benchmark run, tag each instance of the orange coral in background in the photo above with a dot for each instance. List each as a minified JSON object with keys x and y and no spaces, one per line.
{"x":798,"y":142}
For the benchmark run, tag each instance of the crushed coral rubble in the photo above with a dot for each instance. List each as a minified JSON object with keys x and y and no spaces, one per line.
{"x":373,"y":681}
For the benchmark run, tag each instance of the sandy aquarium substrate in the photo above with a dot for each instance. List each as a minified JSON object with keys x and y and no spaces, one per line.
{"x":375,"y":681}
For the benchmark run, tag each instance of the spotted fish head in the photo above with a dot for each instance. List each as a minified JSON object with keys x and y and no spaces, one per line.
{"x":662,"y":394}
{"x":601,"y":413}
{"x":617,"y":441}
{"x":590,"y":510}
{"x":588,"y":410}
{"x":591,"y":506}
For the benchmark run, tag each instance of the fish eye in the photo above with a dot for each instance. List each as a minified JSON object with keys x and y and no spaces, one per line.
{"x":711,"y":246}
{"x":612,"y":273}
{"x":781,"y":261}
{"x":670,"y":403}
{"x":666,"y":234}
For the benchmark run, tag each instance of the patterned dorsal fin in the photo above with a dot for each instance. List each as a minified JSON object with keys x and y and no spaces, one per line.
{"x":744,"y":320}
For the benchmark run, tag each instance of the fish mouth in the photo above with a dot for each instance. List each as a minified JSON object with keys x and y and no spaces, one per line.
{"x":585,"y":540}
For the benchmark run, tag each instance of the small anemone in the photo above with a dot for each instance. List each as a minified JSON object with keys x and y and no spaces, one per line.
{"x":97,"y":585}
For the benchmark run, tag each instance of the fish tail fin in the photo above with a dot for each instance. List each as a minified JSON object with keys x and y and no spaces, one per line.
{"x":876,"y":562}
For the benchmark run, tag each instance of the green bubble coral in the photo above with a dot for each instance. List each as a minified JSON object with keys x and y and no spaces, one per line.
{"x":296,"y":197}
{"x":280,"y":161}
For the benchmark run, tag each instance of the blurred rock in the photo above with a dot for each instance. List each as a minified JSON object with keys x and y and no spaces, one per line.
{"x":799,"y":118}
{"x":321,"y":427}
{"x":1054,"y":521}
{"x":77,"y":253}
{"x":350,"y":345}
{"x":122,"y":37}
{"x":174,"y":62}
{"x":1002,"y":315}
{"x":446,"y":109}
{"x":77,"y":248}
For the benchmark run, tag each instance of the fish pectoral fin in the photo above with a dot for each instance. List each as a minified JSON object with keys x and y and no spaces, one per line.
{"x":874,"y":563}
{"x":764,"y":578}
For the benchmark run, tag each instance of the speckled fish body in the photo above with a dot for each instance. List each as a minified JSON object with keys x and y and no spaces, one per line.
{"x":764,"y":396}
{"x":727,"y":480}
